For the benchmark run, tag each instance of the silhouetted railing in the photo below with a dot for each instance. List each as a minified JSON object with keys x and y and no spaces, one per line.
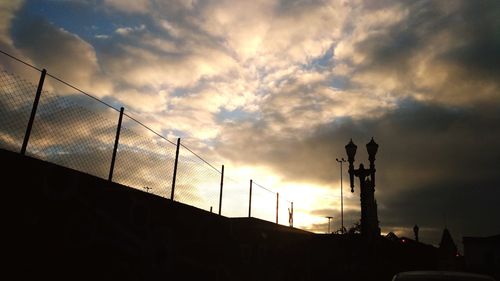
{"x":47,"y":118}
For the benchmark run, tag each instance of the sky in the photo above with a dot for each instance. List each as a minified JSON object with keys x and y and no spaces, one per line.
{"x":275,"y":89}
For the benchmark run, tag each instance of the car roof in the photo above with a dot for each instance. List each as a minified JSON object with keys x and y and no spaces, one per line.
{"x":441,"y":275}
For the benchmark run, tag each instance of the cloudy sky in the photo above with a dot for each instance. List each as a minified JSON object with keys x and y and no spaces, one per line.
{"x":274,"y":89}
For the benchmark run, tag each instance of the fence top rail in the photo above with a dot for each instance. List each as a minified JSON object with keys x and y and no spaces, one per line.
{"x":21,"y":61}
{"x":83,"y":92}
{"x":205,"y":161}
{"x":149,"y":129}
{"x":267,"y":189}
{"x":271,"y":191}
{"x":58,"y":79}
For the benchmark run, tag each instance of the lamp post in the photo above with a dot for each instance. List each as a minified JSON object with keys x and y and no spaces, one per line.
{"x":369,"y":217}
{"x":415,"y":231}
{"x":329,"y":218}
{"x":341,"y":161}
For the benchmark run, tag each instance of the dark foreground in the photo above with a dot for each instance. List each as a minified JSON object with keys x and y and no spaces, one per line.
{"x":63,"y":224}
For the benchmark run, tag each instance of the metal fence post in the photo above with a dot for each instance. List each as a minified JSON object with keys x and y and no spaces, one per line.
{"x":33,"y":112}
{"x":221,"y":186}
{"x":175,"y":168}
{"x":115,"y":148}
{"x":250,"y":201}
{"x":277,"y":204}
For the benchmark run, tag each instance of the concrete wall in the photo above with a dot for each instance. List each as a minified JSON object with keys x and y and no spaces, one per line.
{"x":63,"y":223}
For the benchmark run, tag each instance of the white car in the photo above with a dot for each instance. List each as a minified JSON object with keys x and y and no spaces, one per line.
{"x":440,"y":276}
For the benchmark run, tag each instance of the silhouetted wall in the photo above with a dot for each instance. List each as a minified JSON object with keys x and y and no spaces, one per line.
{"x":63,"y":224}
{"x":482,"y":254}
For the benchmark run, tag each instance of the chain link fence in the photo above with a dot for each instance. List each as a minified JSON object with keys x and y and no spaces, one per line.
{"x":144,"y":160}
{"x":198,"y":182}
{"x":73,"y":129}
{"x":263,"y":203}
{"x":15,"y":105}
{"x":235,"y":197}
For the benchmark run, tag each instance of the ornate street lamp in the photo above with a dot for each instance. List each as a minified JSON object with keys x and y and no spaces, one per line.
{"x":372,"y":148}
{"x":350,"y":149}
{"x":369,"y":217}
{"x":342,"y":229}
{"x":415,"y":231}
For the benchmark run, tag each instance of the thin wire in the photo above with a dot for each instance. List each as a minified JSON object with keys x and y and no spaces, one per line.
{"x":81,"y":91}
{"x":263,"y":187}
{"x":148,"y":128}
{"x":226,"y":178}
{"x":201,"y":158}
{"x":269,"y":190}
{"x":19,"y":60}
{"x":65,"y":83}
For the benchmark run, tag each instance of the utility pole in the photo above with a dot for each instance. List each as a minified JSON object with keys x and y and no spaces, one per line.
{"x":341,"y":161}
{"x":250,"y":200}
{"x":221,"y":187}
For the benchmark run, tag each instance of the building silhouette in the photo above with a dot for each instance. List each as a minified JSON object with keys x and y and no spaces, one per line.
{"x":448,"y":256}
{"x":482,"y":254}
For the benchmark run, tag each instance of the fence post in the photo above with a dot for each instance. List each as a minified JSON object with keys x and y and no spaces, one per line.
{"x":277,"y":204}
{"x":117,"y":138}
{"x":221,"y":186}
{"x":291,"y":215}
{"x":250,"y":201}
{"x":33,"y":112}
{"x":175,"y":168}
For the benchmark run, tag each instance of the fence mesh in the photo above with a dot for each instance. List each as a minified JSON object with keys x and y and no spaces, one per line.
{"x":76,"y":130}
{"x":144,"y":160}
{"x":263,"y":203}
{"x":17,"y":96}
{"x":73,"y":130}
{"x":284,"y":207}
{"x":197,"y":183}
{"x":235,"y":197}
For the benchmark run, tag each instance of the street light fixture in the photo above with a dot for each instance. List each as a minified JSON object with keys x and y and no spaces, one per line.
{"x":369,"y":217}
{"x":350,"y":149}
{"x":341,"y":161}
{"x":329,"y":218}
{"x":372,"y":148}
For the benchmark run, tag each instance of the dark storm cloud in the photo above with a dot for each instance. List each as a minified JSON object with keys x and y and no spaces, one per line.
{"x":432,"y":160}
{"x":436,"y":140}
{"x":480,"y":30}
{"x":395,"y":45}
{"x":463,"y":206}
{"x":50,"y":46}
{"x":441,"y":50}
